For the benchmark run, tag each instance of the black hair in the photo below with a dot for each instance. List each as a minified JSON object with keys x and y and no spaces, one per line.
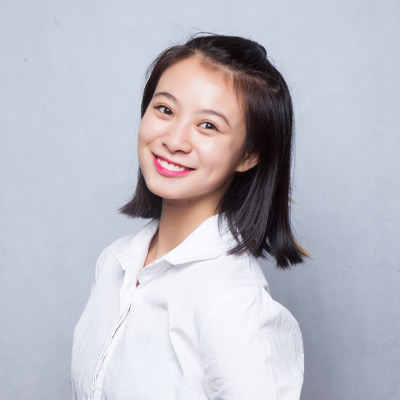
{"x":256,"y":204}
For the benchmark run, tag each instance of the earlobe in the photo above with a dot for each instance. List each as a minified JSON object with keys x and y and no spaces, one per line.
{"x":250,"y":161}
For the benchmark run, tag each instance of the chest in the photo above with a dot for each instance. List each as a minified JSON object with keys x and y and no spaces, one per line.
{"x":128,"y":336}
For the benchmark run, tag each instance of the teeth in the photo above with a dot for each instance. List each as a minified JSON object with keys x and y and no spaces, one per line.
{"x":171,"y":167}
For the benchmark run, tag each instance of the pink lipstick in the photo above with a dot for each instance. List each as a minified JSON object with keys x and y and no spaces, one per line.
{"x":163,"y":170}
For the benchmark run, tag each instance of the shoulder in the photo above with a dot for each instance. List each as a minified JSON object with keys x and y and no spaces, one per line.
{"x":110,"y":252}
{"x":247,"y":317}
{"x":225,"y":274}
{"x":142,"y":236}
{"x":238,"y":295}
{"x":248,"y":302}
{"x":224,"y":281}
{"x":117,"y":245}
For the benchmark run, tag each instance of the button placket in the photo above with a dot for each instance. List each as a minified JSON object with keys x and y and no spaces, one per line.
{"x":128,"y":290}
{"x":95,"y":390}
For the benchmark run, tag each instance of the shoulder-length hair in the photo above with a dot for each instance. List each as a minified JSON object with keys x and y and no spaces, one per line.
{"x":256,"y":204}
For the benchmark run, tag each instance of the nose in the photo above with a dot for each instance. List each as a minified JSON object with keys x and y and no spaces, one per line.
{"x":178,"y":139}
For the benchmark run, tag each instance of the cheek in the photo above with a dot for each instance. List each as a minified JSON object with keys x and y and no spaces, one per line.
{"x":145,"y":137}
{"x":150,"y":128}
{"x":220,"y":156}
{"x":141,"y":141}
{"x":149,"y":132}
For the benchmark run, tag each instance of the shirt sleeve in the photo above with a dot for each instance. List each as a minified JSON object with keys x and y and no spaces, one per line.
{"x":252,"y":348}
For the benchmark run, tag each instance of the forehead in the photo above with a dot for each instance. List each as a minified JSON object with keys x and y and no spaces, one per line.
{"x":202,"y":82}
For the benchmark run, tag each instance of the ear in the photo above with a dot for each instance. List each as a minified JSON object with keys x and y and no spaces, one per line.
{"x":249,"y":161}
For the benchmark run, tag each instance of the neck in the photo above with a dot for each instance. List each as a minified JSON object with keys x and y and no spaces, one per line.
{"x":177,"y":222}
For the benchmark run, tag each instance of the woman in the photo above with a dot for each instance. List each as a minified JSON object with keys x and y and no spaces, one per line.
{"x":182,"y":309}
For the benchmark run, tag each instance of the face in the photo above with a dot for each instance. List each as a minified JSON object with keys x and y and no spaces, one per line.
{"x":192,"y":134}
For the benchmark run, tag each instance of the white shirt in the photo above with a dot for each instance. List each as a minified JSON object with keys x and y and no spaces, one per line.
{"x":201,"y":325}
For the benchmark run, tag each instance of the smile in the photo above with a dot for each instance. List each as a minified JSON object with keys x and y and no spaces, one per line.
{"x":169,"y":169}
{"x":169,"y":166}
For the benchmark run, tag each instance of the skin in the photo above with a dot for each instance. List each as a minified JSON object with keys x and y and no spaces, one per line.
{"x":181,"y":125}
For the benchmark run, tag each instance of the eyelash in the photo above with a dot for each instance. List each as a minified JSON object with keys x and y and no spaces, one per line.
{"x":210,"y":123}
{"x":160,"y":107}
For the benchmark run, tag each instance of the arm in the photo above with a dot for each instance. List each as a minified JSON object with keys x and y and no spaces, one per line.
{"x":251,"y":348}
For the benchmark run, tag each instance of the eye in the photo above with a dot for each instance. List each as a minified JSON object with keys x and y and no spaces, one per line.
{"x":209,"y":125}
{"x":164,"y":109}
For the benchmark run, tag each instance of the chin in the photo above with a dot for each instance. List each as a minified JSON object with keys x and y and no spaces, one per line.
{"x":163,"y":193}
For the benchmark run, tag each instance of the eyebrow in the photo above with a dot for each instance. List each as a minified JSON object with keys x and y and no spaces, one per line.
{"x":204,"y":111}
{"x":213,"y":112}
{"x":168,"y":95}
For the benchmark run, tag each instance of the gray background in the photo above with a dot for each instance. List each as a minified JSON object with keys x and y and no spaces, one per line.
{"x":71,"y":79}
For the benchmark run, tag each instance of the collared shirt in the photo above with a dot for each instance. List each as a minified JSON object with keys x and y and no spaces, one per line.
{"x":200,"y":325}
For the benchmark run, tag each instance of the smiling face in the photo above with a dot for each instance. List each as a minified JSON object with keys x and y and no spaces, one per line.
{"x":192,"y":135}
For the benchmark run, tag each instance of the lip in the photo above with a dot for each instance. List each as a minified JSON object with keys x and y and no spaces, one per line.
{"x":167,"y":172}
{"x":171,"y":162}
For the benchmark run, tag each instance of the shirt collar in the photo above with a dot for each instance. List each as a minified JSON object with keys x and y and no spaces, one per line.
{"x":207,"y":241}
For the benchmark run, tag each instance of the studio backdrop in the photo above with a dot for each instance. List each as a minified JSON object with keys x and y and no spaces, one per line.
{"x":72,"y":73}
